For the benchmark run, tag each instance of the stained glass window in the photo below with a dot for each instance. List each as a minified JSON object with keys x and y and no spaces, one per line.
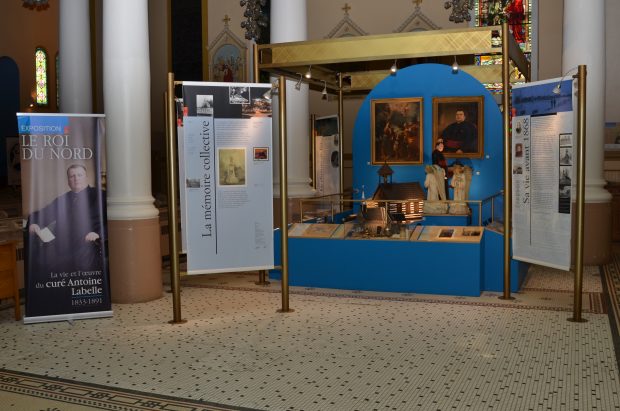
{"x":518,"y":13}
{"x":40,"y":56}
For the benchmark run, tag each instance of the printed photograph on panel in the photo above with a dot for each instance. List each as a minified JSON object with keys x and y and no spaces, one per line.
{"x":238,"y":95}
{"x":204,"y":105}
{"x":231,"y":166}
{"x":566,"y":156}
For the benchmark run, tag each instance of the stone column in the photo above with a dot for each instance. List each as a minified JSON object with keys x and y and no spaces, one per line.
{"x":289,"y":23}
{"x":74,"y":55}
{"x":133,"y":223}
{"x":584,"y":43}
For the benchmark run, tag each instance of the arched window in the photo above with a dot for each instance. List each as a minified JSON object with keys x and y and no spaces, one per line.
{"x":40,"y":58}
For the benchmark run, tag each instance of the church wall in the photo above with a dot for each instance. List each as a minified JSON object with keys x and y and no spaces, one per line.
{"x":376,"y":18}
{"x":158,"y":52}
{"x":550,"y":38}
{"x":22,"y":31}
{"x":218,"y":10}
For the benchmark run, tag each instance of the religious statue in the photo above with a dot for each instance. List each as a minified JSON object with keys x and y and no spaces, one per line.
{"x":461,"y":180}
{"x":434,"y":183}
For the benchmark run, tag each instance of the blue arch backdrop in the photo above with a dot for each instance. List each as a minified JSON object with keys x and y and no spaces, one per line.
{"x":428,"y":81}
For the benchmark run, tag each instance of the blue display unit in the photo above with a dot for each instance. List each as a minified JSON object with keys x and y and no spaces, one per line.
{"x":453,"y":268}
{"x":425,"y":267}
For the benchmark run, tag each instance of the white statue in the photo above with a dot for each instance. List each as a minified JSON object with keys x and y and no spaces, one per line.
{"x":434,"y":183}
{"x":461,"y":180}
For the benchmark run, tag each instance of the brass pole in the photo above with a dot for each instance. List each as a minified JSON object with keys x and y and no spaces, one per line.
{"x":256,"y":71}
{"x":262,"y":274}
{"x":283,"y":192}
{"x":173,"y":189}
{"x":581,"y":183}
{"x":507,"y":160}
{"x":313,"y":149}
{"x":341,"y":138}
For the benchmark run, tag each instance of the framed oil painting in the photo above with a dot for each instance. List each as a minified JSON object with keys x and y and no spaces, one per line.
{"x":227,"y":57}
{"x":459,"y":122}
{"x":228,"y":64}
{"x":396,"y":130}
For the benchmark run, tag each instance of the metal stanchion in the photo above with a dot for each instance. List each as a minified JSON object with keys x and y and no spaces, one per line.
{"x":283,"y":193}
{"x":173,"y":188}
{"x":507,"y":161}
{"x":581,"y":182}
{"x":341,"y":137}
{"x":262,"y":278}
{"x":262,"y":274}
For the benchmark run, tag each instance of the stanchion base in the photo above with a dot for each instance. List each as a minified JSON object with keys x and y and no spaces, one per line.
{"x":181,"y":321}
{"x":262,"y":282}
{"x":290,"y":310}
{"x":506,"y":298}
{"x":575,"y":320}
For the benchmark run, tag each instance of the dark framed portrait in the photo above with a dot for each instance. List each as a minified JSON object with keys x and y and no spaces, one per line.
{"x":459,"y":121}
{"x":396,"y":130}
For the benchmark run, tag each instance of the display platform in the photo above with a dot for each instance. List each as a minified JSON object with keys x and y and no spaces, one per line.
{"x":450,"y":260}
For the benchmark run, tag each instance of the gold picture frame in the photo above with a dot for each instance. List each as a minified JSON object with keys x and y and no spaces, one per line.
{"x":397,"y":133}
{"x":459,"y":121}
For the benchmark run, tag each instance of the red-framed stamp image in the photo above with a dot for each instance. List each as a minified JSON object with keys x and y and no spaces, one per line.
{"x":396,"y":130}
{"x":459,"y":121}
{"x":261,"y":153}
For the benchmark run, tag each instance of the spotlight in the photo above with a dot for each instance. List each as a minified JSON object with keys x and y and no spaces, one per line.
{"x":324,"y":92}
{"x":394,"y":68}
{"x":273,"y":90}
{"x":558,"y":87}
{"x":309,"y":72}
{"x":455,"y":66}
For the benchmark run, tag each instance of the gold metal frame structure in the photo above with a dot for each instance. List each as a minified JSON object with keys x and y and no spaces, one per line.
{"x":356,"y":59}
{"x":356,"y":64}
{"x":365,"y":60}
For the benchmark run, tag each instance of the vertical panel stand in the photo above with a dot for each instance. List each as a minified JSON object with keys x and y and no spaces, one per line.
{"x":283,"y":192}
{"x":262,"y":274}
{"x":581,"y":182}
{"x":341,"y":136}
{"x":173,"y":188}
{"x":507,"y":161}
{"x":313,"y":151}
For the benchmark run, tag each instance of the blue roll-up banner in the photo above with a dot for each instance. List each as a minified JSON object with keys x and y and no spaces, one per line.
{"x":63,"y":204}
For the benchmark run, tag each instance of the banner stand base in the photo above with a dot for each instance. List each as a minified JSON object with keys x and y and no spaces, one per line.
{"x":67,"y":317}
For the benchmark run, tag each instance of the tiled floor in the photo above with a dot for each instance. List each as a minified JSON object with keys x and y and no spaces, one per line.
{"x":332,"y":353}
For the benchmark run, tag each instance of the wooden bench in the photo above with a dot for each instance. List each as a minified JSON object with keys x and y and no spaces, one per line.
{"x":9,"y":284}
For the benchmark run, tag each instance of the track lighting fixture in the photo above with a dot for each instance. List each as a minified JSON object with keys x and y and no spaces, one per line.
{"x":324,"y":92}
{"x":394,"y":68}
{"x":558,"y":87}
{"x":273,"y":90}
{"x":309,"y":73}
{"x":455,"y":66}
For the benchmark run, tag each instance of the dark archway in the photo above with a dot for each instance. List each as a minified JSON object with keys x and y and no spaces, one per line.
{"x":9,"y":105}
